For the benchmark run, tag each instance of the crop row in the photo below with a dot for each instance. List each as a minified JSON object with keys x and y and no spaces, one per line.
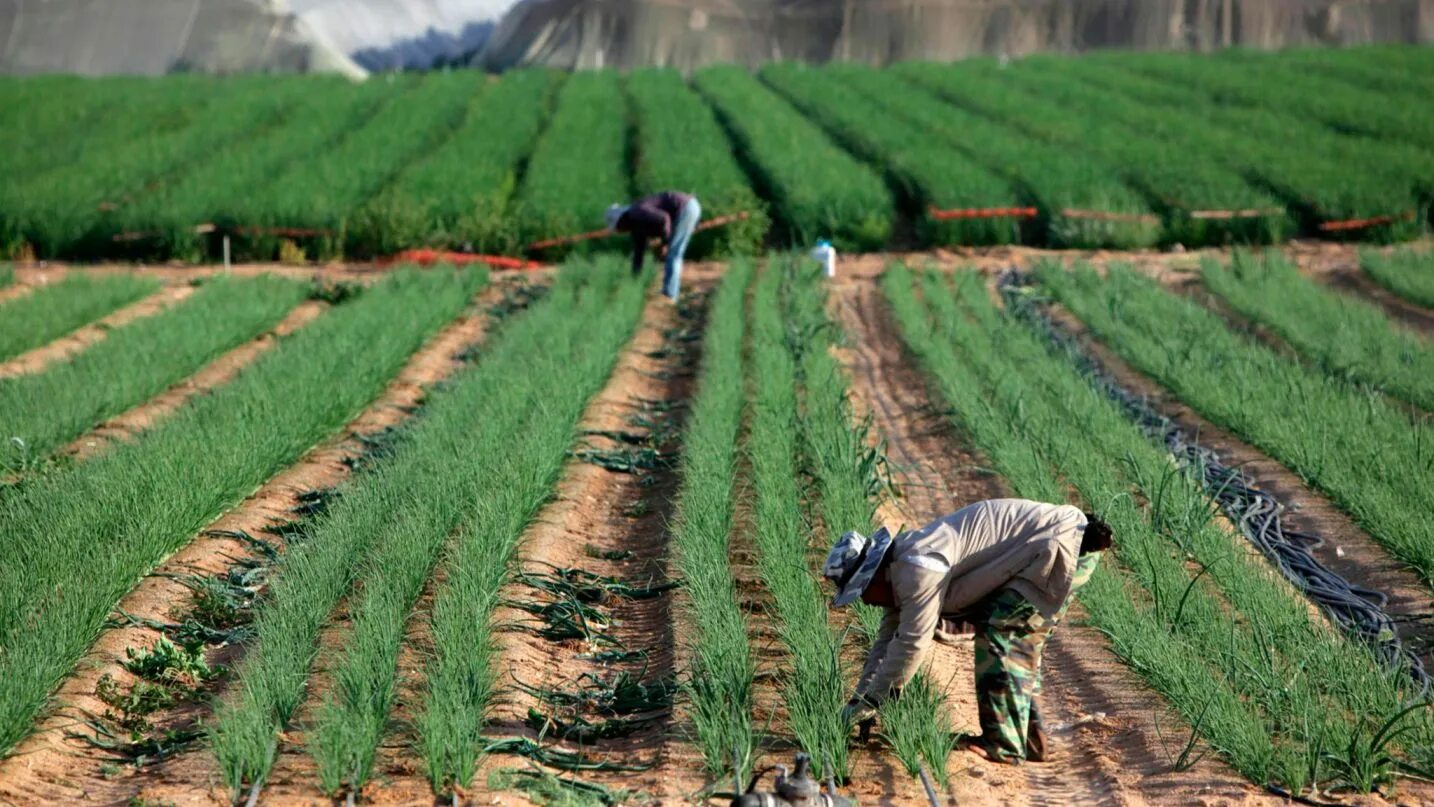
{"x":1223,"y":654}
{"x":1347,"y":336}
{"x":132,"y":167}
{"x":678,"y":144}
{"x":512,"y":416}
{"x":928,"y":170}
{"x":1408,"y":274}
{"x":1368,"y":454}
{"x":1200,"y":200}
{"x":1289,"y":87}
{"x":813,"y":689}
{"x":141,"y":500}
{"x":816,"y":189}
{"x":719,"y":683}
{"x":322,"y":197}
{"x":170,"y":220}
{"x":52,"y":311}
{"x":1080,"y":202}
{"x":39,"y":412}
{"x":74,"y":209}
{"x":1329,"y":178}
{"x":579,"y":165}
{"x":848,"y":472}
{"x":458,"y":195}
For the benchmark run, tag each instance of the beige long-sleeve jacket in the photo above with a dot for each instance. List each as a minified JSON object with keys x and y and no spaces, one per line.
{"x":955,"y":561}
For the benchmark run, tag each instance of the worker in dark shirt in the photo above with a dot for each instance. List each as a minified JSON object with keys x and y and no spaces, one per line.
{"x":669,"y":216}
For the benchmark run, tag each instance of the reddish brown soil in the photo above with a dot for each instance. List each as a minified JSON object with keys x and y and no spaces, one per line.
{"x":77,"y":340}
{"x":1342,"y":271}
{"x":48,"y":767}
{"x":1100,"y":715}
{"x":606,"y":511}
{"x":212,"y":376}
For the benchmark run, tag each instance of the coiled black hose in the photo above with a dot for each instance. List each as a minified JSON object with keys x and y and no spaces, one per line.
{"x":1357,"y":610}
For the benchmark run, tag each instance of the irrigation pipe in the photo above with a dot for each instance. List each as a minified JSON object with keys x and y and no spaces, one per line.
{"x":1257,"y":514}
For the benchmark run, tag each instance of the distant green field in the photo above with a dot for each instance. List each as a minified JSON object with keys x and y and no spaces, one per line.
{"x":1107,"y":150}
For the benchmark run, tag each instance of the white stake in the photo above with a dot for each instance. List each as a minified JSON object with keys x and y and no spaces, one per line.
{"x":226,"y":254}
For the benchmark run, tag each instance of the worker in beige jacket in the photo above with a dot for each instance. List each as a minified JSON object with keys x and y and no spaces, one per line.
{"x":1007,"y":567}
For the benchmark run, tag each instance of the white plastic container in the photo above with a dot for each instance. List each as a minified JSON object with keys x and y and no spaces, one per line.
{"x":825,"y":254}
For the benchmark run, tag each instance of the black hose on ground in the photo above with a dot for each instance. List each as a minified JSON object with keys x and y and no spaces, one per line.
{"x":1357,"y":610}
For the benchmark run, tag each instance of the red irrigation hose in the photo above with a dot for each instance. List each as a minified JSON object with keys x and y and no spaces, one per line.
{"x":982,"y":213}
{"x":428,"y":257}
{"x":1359,"y":224}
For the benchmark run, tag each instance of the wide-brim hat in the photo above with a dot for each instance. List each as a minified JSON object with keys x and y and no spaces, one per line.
{"x":613,"y":214}
{"x":853,"y":561}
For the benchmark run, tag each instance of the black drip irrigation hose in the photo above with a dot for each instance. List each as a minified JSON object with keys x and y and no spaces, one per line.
{"x":1357,"y":610}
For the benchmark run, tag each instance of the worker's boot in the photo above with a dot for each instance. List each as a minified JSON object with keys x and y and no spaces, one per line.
{"x":1035,"y":737}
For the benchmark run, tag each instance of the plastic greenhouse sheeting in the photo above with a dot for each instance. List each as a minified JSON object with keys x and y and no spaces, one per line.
{"x":687,"y":34}
{"x":100,"y":37}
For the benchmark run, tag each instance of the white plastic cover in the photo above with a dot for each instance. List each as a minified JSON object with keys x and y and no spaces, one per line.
{"x":687,"y":34}
{"x":96,"y":37}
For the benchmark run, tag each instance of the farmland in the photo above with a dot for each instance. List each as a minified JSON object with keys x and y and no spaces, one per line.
{"x":335,"y":530}
{"x":1115,"y":151}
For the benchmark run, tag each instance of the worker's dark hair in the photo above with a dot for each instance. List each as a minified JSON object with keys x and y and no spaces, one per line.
{"x":1097,"y":537}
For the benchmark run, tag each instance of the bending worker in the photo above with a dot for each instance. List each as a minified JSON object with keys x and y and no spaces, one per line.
{"x":669,"y":216}
{"x":1005,"y":567}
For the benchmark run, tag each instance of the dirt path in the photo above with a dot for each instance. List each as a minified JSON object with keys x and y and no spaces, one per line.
{"x":49,"y":767}
{"x":217,"y":373}
{"x":612,"y":524}
{"x":77,"y":340}
{"x":1101,"y":718}
{"x":1342,"y":271}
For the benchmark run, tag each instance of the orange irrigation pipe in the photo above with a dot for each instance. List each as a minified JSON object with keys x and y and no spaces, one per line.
{"x":1359,"y":224}
{"x":428,"y":257}
{"x":982,"y":213}
{"x":1101,"y":215}
{"x":588,"y":236}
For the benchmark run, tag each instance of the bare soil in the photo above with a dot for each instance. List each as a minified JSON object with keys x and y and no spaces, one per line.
{"x":50,"y":767}
{"x":612,"y":524}
{"x":77,"y":340}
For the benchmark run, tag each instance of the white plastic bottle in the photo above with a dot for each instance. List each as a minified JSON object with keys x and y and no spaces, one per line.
{"x":825,"y":254}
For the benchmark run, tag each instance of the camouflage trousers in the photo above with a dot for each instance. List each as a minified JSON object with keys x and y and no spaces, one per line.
{"x":1010,"y":636}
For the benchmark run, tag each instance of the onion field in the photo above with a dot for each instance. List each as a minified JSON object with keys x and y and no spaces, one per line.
{"x":362,"y":645}
{"x":1101,"y":151}
{"x":343,"y":529}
